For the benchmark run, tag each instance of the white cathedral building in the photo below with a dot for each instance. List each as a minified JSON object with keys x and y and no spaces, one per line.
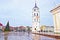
{"x":35,"y":18}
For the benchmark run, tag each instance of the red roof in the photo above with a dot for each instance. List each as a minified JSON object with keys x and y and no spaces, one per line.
{"x":1,"y":24}
{"x":22,"y":27}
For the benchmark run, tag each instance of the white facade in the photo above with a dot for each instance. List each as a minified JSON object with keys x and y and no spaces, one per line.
{"x":56,"y":19}
{"x":35,"y":18}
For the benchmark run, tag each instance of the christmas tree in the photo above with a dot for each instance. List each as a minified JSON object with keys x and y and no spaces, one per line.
{"x":7,"y":27}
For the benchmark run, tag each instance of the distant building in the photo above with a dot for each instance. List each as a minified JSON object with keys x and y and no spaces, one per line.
{"x":1,"y":25}
{"x":11,"y":28}
{"x":19,"y":28}
{"x":47,"y":28}
{"x":22,"y":28}
{"x":56,"y":18}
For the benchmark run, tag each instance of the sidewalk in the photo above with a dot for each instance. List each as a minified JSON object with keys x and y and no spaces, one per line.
{"x":52,"y":35}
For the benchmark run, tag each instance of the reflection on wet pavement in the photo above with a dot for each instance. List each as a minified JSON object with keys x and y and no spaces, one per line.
{"x":36,"y":37}
{"x":23,"y":36}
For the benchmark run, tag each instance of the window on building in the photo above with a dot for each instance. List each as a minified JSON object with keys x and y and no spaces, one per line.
{"x":37,"y":14}
{"x":34,"y":9}
{"x":34,"y":14}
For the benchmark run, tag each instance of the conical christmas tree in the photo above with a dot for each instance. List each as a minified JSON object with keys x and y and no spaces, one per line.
{"x":7,"y":27}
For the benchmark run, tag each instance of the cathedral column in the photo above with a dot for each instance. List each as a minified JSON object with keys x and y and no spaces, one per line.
{"x":56,"y":18}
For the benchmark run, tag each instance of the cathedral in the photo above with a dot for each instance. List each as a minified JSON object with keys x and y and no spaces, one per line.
{"x":35,"y":18}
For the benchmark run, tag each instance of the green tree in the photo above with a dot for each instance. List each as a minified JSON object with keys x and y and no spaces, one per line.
{"x":7,"y":27}
{"x":28,"y":28}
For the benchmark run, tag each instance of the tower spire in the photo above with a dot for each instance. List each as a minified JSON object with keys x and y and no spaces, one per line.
{"x":35,"y":4}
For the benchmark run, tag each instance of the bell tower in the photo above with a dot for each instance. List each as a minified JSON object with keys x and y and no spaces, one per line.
{"x":35,"y":18}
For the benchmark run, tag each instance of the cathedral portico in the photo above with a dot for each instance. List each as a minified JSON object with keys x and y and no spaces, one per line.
{"x":56,"y":18}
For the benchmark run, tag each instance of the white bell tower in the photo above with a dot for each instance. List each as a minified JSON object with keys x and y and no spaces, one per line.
{"x":35,"y":18}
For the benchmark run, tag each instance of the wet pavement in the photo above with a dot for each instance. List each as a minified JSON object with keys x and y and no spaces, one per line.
{"x":23,"y":36}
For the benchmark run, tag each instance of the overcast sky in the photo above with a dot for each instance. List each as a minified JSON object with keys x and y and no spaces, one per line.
{"x":19,"y":12}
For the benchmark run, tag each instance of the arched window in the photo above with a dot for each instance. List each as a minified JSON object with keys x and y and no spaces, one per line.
{"x":37,"y":14}
{"x":34,"y":14}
